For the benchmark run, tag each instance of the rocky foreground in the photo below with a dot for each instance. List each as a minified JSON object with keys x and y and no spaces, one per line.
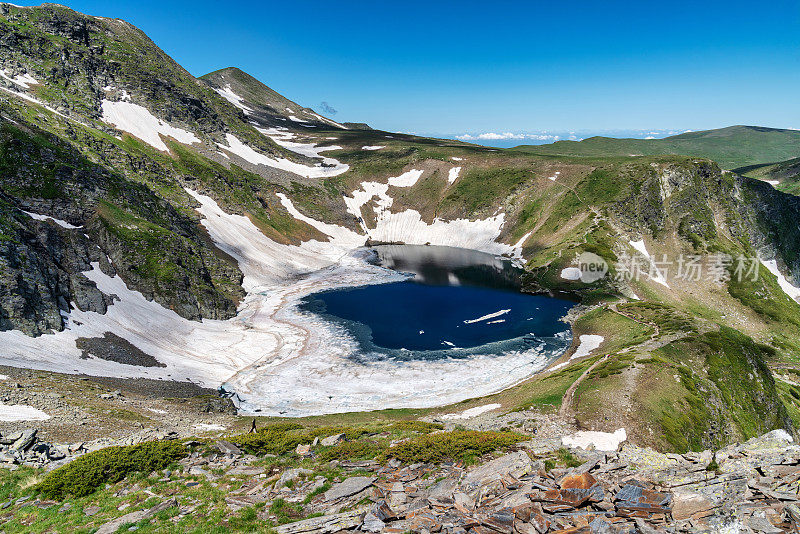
{"x":538,"y":487}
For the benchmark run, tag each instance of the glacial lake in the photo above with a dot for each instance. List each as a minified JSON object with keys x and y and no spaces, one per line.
{"x":455,"y":303}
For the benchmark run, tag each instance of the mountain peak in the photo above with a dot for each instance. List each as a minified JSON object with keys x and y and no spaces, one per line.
{"x":249,"y":94}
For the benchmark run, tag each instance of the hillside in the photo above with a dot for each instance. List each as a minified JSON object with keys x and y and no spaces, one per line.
{"x":249,"y":94}
{"x":158,"y":231}
{"x":783,"y":175}
{"x":731,"y":147}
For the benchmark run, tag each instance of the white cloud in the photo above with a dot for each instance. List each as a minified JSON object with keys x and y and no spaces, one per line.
{"x":493,"y":136}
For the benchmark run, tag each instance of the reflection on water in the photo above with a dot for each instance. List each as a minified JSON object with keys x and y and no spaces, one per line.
{"x":459,"y":303}
{"x":449,"y":266}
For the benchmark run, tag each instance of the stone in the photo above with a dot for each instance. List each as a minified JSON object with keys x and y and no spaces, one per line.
{"x":685,"y":505}
{"x":347,"y":487}
{"x":330,"y":441}
{"x":226,"y":447}
{"x":134,"y":517}
{"x":324,"y":524}
{"x":91,"y":510}
{"x":516,"y":464}
{"x":24,"y":441}
{"x":291,"y":474}
{"x":303,"y":449}
{"x":372,"y":523}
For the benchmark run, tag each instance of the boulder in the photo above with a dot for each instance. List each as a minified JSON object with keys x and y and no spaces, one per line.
{"x":330,"y":441}
{"x":24,"y":441}
{"x":347,"y":487}
{"x":226,"y":447}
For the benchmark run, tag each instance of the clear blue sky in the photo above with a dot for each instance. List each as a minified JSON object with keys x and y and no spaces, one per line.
{"x":499,"y":66}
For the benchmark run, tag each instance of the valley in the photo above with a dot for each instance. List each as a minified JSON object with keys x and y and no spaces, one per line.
{"x":184,"y":257}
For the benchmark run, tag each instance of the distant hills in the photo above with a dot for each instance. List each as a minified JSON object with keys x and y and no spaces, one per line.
{"x":731,"y":147}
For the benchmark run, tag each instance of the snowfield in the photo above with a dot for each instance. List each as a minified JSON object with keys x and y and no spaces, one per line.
{"x":333,"y":168}
{"x":278,"y":359}
{"x":138,"y":121}
{"x":16,"y":413}
{"x":228,"y":94}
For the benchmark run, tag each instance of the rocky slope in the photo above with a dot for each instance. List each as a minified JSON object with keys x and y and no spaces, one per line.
{"x":542,"y":485}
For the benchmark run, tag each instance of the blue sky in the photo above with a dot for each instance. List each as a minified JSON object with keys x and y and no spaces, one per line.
{"x":474,"y":67}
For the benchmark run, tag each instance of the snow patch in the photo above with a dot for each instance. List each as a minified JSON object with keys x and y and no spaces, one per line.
{"x":773,"y":182}
{"x":589,"y":342}
{"x":791,"y":291}
{"x":14,"y":413}
{"x":571,"y":273}
{"x":456,"y":159}
{"x":228,"y":94}
{"x":601,"y":441}
{"x":408,"y":227}
{"x":63,"y":224}
{"x":654,"y":274}
{"x":471,"y":412}
{"x":235,"y":146}
{"x":23,"y":80}
{"x":372,"y":147}
{"x":554,"y":177}
{"x":452,"y":174}
{"x":208,"y":427}
{"x":138,"y":121}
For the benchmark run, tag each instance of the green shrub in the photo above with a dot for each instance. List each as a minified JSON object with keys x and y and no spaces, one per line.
{"x":279,"y":438}
{"x":352,"y":450}
{"x":110,"y":465}
{"x":464,"y":445}
{"x":422,"y":427}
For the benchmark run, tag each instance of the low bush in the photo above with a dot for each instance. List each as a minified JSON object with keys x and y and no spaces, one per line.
{"x":463,"y":445}
{"x":423,"y":427}
{"x":352,"y":450}
{"x":84,"y":475}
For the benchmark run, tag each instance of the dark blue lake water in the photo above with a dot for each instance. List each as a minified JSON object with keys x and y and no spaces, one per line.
{"x":457,"y":303}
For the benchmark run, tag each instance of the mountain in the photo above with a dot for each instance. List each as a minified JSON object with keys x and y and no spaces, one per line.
{"x":155,"y":226}
{"x":248,"y":94}
{"x":731,"y":147}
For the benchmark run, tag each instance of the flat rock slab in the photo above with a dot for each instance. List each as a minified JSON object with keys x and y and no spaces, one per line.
{"x":324,"y":524}
{"x":348,"y":487}
{"x":515,"y":464}
{"x":134,"y":517}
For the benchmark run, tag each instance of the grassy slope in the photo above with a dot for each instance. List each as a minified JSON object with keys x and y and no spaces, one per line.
{"x":731,"y":147}
{"x":786,"y":172}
